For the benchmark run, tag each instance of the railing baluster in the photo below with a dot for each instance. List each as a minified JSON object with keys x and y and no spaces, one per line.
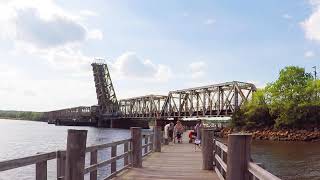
{"x":114,"y":163}
{"x":146,"y":142}
{"x":125,"y":149}
{"x":93,"y":160}
{"x":41,"y":170}
{"x":152,"y":140}
{"x":61,"y":164}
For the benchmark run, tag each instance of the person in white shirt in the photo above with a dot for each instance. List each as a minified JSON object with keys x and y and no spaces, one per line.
{"x":167,"y":129}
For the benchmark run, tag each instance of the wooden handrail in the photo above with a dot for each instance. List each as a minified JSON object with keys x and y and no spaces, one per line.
{"x":253,"y":168}
{"x":260,"y":173}
{"x":104,"y":163}
{"x":221,"y":163}
{"x":40,"y":160}
{"x":25,"y":161}
{"x":104,"y":146}
{"x":222,"y":146}
{"x":117,"y":172}
{"x":147,"y":145}
{"x":220,"y":176}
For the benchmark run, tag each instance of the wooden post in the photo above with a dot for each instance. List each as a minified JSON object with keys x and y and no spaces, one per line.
{"x":61,"y":164}
{"x":125,"y":149}
{"x":114,"y":163}
{"x":136,"y":147}
{"x":146,"y":142}
{"x":152,"y":140}
{"x":94,"y":160}
{"x":157,"y":139}
{"x":41,"y":170}
{"x":162,"y":137}
{"x":238,"y":156}
{"x":76,"y":151}
{"x":207,"y":148}
{"x":214,"y":152}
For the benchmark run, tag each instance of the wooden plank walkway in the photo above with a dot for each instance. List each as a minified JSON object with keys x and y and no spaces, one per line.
{"x":176,"y":161}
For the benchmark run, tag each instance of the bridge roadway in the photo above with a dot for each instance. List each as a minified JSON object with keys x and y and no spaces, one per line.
{"x":176,"y":161}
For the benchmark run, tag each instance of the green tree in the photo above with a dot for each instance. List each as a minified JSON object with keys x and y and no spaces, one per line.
{"x":293,"y":100}
{"x":290,"y":88}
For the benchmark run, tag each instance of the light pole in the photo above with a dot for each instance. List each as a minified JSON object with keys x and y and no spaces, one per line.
{"x":315,"y":72}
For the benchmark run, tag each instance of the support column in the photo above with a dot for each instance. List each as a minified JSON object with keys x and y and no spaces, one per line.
{"x":207,"y":148}
{"x":157,"y":139}
{"x":136,"y":147}
{"x":76,"y":152}
{"x":111,"y":123}
{"x":238,"y":156}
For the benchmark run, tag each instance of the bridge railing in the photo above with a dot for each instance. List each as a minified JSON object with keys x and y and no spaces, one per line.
{"x":234,"y":161}
{"x":134,"y":149}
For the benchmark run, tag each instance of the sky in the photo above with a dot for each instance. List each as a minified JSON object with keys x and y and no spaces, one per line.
{"x":151,"y":47}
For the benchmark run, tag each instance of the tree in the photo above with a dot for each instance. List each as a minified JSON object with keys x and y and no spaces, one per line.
{"x":290,"y":87}
{"x":293,"y":100}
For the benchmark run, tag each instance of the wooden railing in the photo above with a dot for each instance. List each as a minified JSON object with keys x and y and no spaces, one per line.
{"x":239,"y":163}
{"x":220,"y":159}
{"x":145,"y":147}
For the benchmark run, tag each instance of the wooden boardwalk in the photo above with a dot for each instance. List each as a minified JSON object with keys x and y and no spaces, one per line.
{"x":176,"y":161}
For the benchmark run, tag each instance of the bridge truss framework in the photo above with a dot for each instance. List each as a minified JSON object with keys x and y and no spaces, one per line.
{"x":206,"y":101}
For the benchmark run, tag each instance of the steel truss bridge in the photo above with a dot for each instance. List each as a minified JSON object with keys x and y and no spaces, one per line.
{"x":207,"y":101}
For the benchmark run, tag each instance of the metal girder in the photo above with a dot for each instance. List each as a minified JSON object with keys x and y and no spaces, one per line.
{"x":144,"y":106}
{"x":213,"y":100}
{"x":107,"y":99}
{"x":69,"y":113}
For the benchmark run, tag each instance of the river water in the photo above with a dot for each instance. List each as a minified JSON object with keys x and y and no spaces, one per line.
{"x":288,"y":160}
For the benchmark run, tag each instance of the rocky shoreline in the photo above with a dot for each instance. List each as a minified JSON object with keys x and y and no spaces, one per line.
{"x":277,"y":135}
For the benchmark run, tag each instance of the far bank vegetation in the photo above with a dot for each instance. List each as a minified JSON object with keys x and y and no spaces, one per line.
{"x":292,"y":101}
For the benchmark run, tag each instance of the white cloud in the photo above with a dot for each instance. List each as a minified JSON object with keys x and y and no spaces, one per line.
{"x":311,"y":25}
{"x":209,"y":21}
{"x":198,"y":69}
{"x":88,"y":13}
{"x":42,"y":29}
{"x":42,"y":23}
{"x":58,"y":31}
{"x":19,"y":91}
{"x":286,"y":16}
{"x":130,"y":66}
{"x":309,"y":54}
{"x":95,"y":34}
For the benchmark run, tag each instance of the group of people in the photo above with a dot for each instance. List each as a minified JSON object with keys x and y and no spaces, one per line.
{"x":174,"y":132}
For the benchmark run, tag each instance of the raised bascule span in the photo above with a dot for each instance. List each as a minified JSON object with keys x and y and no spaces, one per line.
{"x":217,"y":100}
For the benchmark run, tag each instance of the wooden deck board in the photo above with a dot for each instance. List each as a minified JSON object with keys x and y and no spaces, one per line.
{"x":176,"y":161}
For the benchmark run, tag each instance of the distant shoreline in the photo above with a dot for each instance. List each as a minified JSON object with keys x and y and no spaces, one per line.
{"x":310,"y":135}
{"x":19,"y":119}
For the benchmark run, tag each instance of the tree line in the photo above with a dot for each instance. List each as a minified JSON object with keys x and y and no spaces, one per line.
{"x":25,"y":115}
{"x":292,"y":101}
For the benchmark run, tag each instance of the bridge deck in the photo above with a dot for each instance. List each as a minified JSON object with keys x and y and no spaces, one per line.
{"x":176,"y":161}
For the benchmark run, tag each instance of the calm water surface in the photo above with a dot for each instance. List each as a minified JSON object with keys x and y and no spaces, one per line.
{"x":288,"y":160}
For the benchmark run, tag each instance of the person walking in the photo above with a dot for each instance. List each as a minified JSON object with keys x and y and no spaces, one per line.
{"x":167,"y":129}
{"x":197,"y":130}
{"x":178,"y":130}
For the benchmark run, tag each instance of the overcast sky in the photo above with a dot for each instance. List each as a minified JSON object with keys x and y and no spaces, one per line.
{"x":151,"y":47}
